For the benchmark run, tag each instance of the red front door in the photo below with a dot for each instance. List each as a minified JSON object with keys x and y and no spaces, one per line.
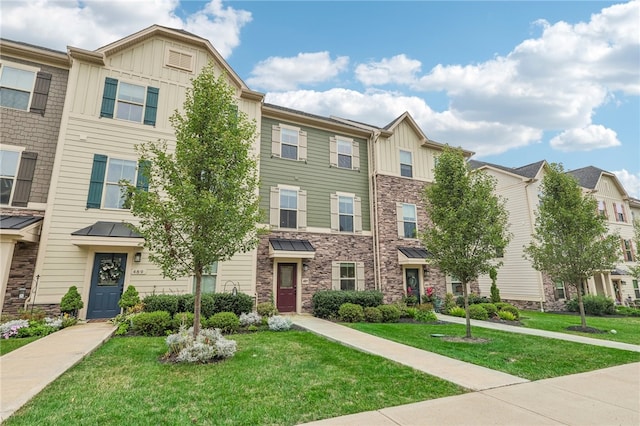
{"x":286,"y":287}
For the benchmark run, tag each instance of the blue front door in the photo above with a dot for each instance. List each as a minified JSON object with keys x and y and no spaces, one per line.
{"x":107,"y":281}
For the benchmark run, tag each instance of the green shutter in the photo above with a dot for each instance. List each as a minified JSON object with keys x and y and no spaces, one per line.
{"x":97,"y":181}
{"x":151,"y":107}
{"x":109,"y":97}
{"x":142,"y":182}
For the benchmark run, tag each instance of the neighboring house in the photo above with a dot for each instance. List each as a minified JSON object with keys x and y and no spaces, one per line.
{"x":314,"y":174}
{"x":33,"y":82}
{"x":118,"y":96}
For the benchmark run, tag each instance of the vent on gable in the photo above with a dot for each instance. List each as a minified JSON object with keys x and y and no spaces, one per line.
{"x":181,"y":60}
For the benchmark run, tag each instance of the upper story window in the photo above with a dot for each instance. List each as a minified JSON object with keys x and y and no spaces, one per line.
{"x":619,"y":211}
{"x":345,"y":210}
{"x":627,"y":249}
{"x":344,"y":153}
{"x":131,"y":102}
{"x":17,"y":168}
{"x":106,"y":173}
{"x":602,"y":208}
{"x":346,"y":213}
{"x":288,"y":142}
{"x":288,"y":207}
{"x":406,"y":163}
{"x":407,"y":220}
{"x":24,"y":88}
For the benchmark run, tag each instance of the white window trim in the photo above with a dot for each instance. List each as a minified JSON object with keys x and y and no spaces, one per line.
{"x":105,"y":183}
{"x":276,"y":142}
{"x":400,"y":163}
{"x":118,"y":100}
{"x":401,"y":221}
{"x":335,"y":274}
{"x":19,"y":150}
{"x":22,"y":67}
{"x":274,"y":207}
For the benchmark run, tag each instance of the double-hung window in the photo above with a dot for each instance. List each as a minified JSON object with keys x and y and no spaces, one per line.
{"x":559,"y":290}
{"x":407,"y":220}
{"x":8,"y":171}
{"x":106,"y":174}
{"x":288,"y":207}
{"x":128,"y":101}
{"x":602,"y":208}
{"x":627,"y":248}
{"x":619,"y":211}
{"x":347,"y":276}
{"x":456,"y":287}
{"x":209,"y":277}
{"x":288,"y":142}
{"x":346,"y":213}
{"x":344,"y":153}
{"x":16,"y":85}
{"x":636,"y":288}
{"x":406,"y":163}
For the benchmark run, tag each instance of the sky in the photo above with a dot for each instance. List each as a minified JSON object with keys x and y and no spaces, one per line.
{"x":516,"y":82}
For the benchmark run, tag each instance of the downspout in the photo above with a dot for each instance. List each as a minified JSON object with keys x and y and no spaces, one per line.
{"x":532,"y":221}
{"x":374,"y":208}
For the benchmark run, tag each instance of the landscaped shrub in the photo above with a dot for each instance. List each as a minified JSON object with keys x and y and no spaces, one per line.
{"x":129,"y":298}
{"x":266,"y":309}
{"x":326,"y":303}
{"x":251,"y":318}
{"x":409,"y":312}
{"x":71,"y":302}
{"x":449,"y":303}
{"x":593,"y":305}
{"x":506,"y":315}
{"x":37,"y":328}
{"x":509,"y":308}
{"x":185,"y":319}
{"x":10,"y":328}
{"x":495,"y":292}
{"x":151,"y":323}
{"x":211,"y":303}
{"x":372,"y":314}
{"x":162,"y":302}
{"x":410,"y":300}
{"x":478,"y":312}
{"x":350,"y":312}
{"x":186,"y":303}
{"x":628,"y":311}
{"x":209,"y":345}
{"x":390,"y":313}
{"x":279,"y":323}
{"x":457,"y":311}
{"x":491,"y":309}
{"x":227,"y":302}
{"x":227,"y":322}
{"x":123,"y":322}
{"x":473,"y":300}
{"x":425,"y":314}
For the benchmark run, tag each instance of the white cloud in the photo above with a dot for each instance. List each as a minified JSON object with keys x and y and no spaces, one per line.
{"x":630,"y":182}
{"x":585,"y":139}
{"x":278,"y":73}
{"x":94,"y":23}
{"x":398,"y":69}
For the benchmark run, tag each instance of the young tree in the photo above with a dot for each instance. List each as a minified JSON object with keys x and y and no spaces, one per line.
{"x":201,"y":205}
{"x":570,"y":240}
{"x":467,"y":222}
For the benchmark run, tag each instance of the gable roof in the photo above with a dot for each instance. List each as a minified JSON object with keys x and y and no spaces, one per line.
{"x":529,"y":171}
{"x":588,"y":177}
{"x":34,"y":53}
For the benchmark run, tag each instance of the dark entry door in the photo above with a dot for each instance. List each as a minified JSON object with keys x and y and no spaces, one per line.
{"x":412,"y":276}
{"x":107,"y":281}
{"x":286,"y":287}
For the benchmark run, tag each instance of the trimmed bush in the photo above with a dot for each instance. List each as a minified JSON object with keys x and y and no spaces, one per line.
{"x":506,"y":315}
{"x":510,"y":308}
{"x":162,"y":302}
{"x":326,"y":303}
{"x":211,"y":303}
{"x":227,"y":302}
{"x":151,"y":323}
{"x":492,"y":310}
{"x":457,"y":311}
{"x":409,"y":312}
{"x":226,"y":322}
{"x":372,"y":314}
{"x":279,"y":323}
{"x":628,"y":311}
{"x":593,"y":305}
{"x":186,"y":319}
{"x":473,"y":300}
{"x":449,"y":303}
{"x":252,"y":318}
{"x":350,"y":312}
{"x":390,"y":313}
{"x":129,"y":298}
{"x":425,"y":313}
{"x":266,"y":309}
{"x":478,"y":312}
{"x":71,"y":302}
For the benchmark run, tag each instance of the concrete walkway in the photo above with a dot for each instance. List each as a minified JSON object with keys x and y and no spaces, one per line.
{"x":27,"y":370}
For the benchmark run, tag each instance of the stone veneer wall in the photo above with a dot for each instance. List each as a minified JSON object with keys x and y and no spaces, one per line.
{"x":329,"y":248}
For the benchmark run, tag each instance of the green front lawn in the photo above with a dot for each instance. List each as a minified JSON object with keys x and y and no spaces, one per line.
{"x":627,"y":328}
{"x":530,"y":357}
{"x":275,"y":378}
{"x":8,"y":345}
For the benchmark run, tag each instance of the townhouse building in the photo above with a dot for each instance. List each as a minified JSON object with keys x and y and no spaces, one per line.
{"x":33,"y":85}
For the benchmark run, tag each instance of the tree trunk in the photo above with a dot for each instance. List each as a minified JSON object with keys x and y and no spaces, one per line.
{"x":197,"y":302}
{"x":583,"y":318}
{"x":466,"y":309}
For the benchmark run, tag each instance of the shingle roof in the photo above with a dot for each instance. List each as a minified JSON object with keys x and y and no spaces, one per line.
{"x":17,"y":222}
{"x":107,"y":229}
{"x":528,"y":171}
{"x":307,"y":114}
{"x":587,"y":176}
{"x":291,"y":245}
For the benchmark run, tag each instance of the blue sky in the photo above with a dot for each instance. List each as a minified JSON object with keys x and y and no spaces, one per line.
{"x":516,"y":82}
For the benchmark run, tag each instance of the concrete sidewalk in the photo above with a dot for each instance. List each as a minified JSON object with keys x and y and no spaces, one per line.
{"x":27,"y":370}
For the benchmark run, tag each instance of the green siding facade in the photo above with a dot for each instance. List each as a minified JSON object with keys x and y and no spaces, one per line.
{"x":315,"y":175}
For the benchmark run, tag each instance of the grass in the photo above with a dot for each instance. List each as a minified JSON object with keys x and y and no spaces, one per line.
{"x":8,"y":345}
{"x":530,"y":357}
{"x":627,"y":328}
{"x":274,"y":378}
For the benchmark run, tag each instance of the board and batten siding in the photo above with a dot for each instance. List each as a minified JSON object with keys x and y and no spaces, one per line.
{"x":405,"y":138}
{"x":314,"y":176}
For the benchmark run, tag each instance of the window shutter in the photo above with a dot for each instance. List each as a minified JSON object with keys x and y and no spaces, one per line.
{"x":274,"y":207}
{"x":633,"y":252}
{"x":360,"y":276}
{"x":302,"y":146}
{"x":357,"y":214}
{"x":24,"y":179}
{"x":400,"y":220}
{"x":615,"y":212}
{"x":40,"y":93}
{"x":142,"y":181}
{"x":335,"y":275}
{"x":302,"y":209}
{"x":335,"y":213}
{"x":275,"y":141}
{"x":109,"y":97}
{"x":356,"y":156}
{"x":333,"y":152}
{"x":624,"y":252}
{"x":97,"y":181}
{"x":151,"y":106}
